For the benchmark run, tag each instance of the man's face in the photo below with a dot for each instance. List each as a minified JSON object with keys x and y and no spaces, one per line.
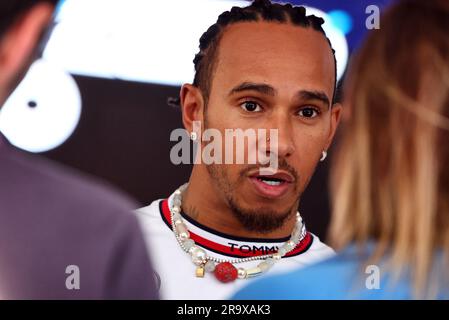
{"x":272,"y":76}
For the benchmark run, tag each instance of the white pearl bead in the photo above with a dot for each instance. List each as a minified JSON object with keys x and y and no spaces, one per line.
{"x":181,"y":228}
{"x":296,"y":235}
{"x":192,"y":248}
{"x":210,"y":266}
{"x":277,"y":256}
{"x":176,"y":210}
{"x":290,"y":245}
{"x":264,"y":266}
{"x":177,"y":216}
{"x":241,"y":273}
{"x":198,"y":255}
{"x":282,"y":251}
{"x":184,"y":236}
{"x":189,"y":243}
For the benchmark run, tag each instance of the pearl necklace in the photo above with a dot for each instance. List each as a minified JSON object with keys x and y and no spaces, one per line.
{"x":224,"y":269}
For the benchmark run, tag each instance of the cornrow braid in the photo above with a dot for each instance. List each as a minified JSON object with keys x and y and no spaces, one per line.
{"x":259,"y":10}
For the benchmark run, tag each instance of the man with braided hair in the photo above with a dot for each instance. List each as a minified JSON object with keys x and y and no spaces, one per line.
{"x":266,"y":66}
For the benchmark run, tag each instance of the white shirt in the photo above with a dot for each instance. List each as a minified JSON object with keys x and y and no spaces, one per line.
{"x":177,"y":271}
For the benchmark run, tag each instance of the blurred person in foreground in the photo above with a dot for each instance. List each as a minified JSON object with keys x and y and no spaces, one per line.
{"x":390,"y":181}
{"x":61,"y":236}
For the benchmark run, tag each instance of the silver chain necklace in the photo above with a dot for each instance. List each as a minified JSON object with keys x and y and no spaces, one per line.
{"x":224,"y":269}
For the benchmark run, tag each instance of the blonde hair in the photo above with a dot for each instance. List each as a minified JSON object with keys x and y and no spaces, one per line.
{"x":390,"y":177}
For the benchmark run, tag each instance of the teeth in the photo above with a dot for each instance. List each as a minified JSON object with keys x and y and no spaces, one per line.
{"x":271,"y":183}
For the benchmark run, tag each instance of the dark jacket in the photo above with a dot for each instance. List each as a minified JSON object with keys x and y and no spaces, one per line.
{"x":51,"y":219}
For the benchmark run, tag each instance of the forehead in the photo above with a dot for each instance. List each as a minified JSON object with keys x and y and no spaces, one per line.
{"x":281,"y":54}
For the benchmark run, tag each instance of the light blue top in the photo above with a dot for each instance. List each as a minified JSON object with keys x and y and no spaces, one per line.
{"x":340,"y":277}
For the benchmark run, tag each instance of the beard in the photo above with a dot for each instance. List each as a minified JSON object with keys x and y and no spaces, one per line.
{"x":261,"y":220}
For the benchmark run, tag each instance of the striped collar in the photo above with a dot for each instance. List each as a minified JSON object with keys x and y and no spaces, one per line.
{"x":227,"y":245}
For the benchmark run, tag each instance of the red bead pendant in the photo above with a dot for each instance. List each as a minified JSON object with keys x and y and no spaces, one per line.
{"x":225,"y":272}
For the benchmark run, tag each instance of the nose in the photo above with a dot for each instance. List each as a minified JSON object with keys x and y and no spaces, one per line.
{"x":281,"y":139}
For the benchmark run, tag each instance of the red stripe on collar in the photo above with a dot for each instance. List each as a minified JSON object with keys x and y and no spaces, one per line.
{"x":219,"y":248}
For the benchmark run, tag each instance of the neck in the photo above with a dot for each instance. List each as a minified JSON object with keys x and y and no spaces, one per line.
{"x":206,"y":205}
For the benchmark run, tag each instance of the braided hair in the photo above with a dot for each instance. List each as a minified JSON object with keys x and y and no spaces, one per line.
{"x":259,"y":10}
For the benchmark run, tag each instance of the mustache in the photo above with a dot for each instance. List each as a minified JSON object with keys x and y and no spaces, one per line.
{"x":282,"y":165}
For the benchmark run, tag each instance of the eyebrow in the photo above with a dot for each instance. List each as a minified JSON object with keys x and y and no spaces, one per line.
{"x":314,"y":95}
{"x":251,"y":86}
{"x":269,"y":90}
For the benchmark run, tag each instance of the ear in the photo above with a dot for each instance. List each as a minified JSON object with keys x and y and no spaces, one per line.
{"x":192,"y":104}
{"x":20,"y":41}
{"x":336,"y":112}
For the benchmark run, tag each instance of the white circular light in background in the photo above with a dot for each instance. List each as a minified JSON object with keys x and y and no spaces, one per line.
{"x":43,"y":111}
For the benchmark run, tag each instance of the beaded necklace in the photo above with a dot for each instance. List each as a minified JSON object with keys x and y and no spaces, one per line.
{"x":224,"y":269}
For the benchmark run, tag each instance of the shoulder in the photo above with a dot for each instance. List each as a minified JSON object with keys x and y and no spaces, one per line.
{"x":64,"y":202}
{"x":59,"y":186}
{"x":148,"y":215}
{"x":152,"y":221}
{"x":68,"y":213}
{"x":151,"y":211}
{"x":319,"y":250}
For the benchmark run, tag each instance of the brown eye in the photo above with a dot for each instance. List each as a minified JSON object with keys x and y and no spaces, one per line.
{"x":308,"y":112}
{"x":251,"y":106}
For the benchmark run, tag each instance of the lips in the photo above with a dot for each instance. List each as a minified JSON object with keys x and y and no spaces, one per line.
{"x":271,"y":184}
